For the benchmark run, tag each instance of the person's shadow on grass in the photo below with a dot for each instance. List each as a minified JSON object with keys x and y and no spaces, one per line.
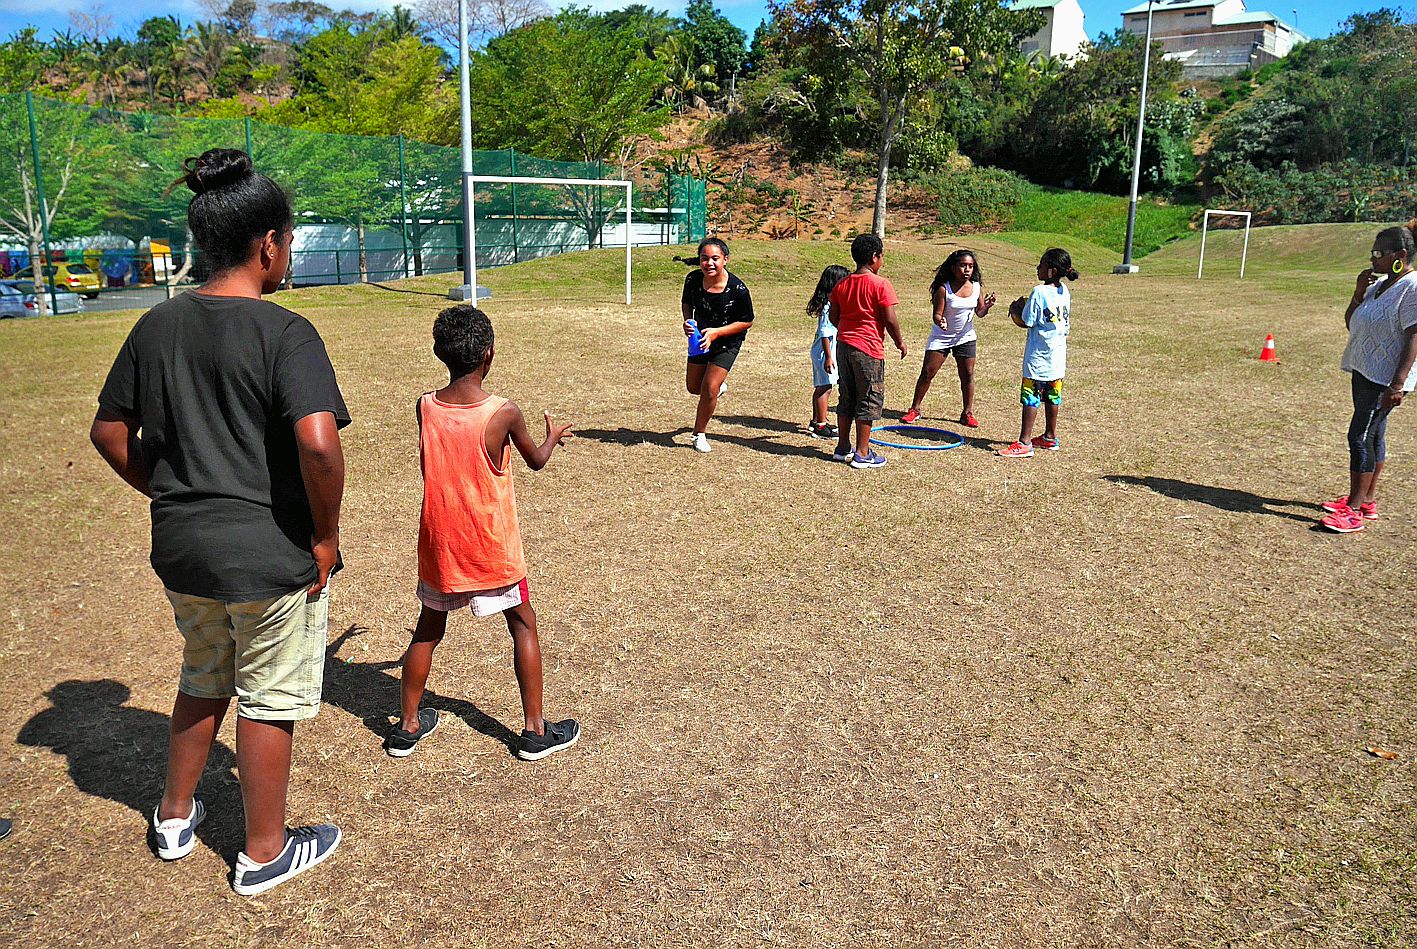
{"x":368,"y":692}
{"x":119,"y":752}
{"x":1226,"y":499}
{"x":762,"y":443}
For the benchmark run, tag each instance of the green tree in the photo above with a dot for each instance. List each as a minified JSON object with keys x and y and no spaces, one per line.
{"x":22,"y":61}
{"x":903,"y":48}
{"x":686,"y":81}
{"x":715,"y":41}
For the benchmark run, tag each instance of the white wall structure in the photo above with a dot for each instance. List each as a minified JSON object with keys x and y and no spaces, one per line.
{"x":1063,"y":33}
{"x":1214,"y":38}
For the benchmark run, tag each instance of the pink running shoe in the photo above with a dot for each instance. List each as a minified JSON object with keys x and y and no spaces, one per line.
{"x":1337,"y":504}
{"x":1043,"y":441}
{"x":912,"y":416}
{"x":968,"y":420}
{"x":1017,"y":450}
{"x":1344,"y":521}
{"x":1369,"y":511}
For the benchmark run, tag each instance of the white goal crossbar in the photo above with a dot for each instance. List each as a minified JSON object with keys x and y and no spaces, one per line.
{"x":474,"y":180}
{"x":1205,"y":224}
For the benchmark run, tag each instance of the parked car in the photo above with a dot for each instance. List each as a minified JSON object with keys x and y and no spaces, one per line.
{"x":77,"y":277}
{"x":13,"y":303}
{"x":62,"y":302}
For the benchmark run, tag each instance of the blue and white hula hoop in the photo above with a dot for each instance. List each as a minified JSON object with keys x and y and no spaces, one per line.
{"x":958,"y":438}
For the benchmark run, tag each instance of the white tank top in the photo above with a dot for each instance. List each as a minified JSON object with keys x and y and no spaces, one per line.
{"x":959,"y":316}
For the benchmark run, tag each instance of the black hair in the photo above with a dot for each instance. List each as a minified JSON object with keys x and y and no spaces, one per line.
{"x":864,"y":247}
{"x":462,"y":336}
{"x":1055,"y":258}
{"x":232,"y":207}
{"x":946,"y":270}
{"x":832,"y":276}
{"x":713,"y":242}
{"x":1404,"y":237}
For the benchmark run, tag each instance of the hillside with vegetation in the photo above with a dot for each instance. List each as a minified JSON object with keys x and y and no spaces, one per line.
{"x":828,"y":116}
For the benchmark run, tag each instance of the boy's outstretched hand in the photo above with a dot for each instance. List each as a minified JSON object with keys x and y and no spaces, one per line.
{"x":557,"y":434}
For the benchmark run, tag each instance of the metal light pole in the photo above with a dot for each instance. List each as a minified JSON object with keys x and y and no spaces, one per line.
{"x":468,"y":289}
{"x":1126,"y":266}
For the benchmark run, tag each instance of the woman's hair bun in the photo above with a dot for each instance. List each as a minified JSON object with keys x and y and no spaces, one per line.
{"x":217,"y":168}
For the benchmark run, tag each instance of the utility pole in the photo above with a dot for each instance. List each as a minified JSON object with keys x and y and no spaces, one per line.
{"x":1126,"y":266}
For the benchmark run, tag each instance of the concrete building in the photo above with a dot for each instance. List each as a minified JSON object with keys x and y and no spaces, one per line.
{"x":1062,"y":33}
{"x":1214,"y":38}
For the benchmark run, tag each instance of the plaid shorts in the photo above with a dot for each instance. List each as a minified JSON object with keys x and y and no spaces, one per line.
{"x":269,"y":654}
{"x":482,"y":602}
{"x":1032,"y":393}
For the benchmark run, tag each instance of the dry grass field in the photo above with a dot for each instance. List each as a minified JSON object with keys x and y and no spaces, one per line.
{"x":1117,"y":695}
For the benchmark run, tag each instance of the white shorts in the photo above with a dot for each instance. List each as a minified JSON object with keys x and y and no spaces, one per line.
{"x":482,"y":602}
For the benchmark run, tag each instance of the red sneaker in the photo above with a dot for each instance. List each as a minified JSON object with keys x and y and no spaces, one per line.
{"x":1043,"y":441}
{"x":1343,"y":521}
{"x":1369,"y":511}
{"x":1017,"y":450}
{"x":968,"y":420}
{"x":1337,"y":504}
{"x":912,"y":416}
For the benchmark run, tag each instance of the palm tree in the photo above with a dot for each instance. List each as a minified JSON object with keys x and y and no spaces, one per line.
{"x":207,"y":47}
{"x":686,"y":83}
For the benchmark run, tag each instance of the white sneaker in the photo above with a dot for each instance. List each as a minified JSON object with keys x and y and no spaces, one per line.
{"x":701,"y":443}
{"x":176,"y":838}
{"x":723,"y":389}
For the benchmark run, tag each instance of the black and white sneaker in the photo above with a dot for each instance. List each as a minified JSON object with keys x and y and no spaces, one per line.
{"x":5,"y":827}
{"x":400,"y":744}
{"x":559,"y":736}
{"x":177,"y":838}
{"x":822,"y":430}
{"x":304,"y":847}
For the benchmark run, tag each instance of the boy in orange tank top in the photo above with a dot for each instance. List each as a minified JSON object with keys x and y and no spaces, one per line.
{"x":469,"y":545}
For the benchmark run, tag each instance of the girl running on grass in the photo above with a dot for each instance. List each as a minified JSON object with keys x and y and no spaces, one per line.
{"x":958,"y":296}
{"x":823,"y":351}
{"x":722,"y":310}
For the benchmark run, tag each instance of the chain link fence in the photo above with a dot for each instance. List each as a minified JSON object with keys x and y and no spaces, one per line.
{"x":89,"y":191}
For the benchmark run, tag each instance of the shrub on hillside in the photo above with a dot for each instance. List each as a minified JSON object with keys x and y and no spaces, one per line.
{"x":974,"y":197}
{"x":1323,"y":195}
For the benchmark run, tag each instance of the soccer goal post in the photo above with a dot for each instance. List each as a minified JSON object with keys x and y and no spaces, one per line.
{"x":1205,"y":226}
{"x":474,"y":180}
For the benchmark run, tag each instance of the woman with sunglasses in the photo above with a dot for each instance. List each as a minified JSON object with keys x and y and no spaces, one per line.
{"x":1381,"y":356}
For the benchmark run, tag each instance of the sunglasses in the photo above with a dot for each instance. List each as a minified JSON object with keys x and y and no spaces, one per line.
{"x":1382,"y":253}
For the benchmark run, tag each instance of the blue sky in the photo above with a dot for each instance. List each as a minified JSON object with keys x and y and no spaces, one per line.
{"x":1314,"y":17}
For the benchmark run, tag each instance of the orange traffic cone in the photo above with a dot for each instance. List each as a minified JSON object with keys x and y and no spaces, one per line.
{"x":1268,"y":353}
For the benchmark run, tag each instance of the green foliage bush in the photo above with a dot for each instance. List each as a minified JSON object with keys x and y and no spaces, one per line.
{"x":975,"y":197}
{"x":1327,"y":194}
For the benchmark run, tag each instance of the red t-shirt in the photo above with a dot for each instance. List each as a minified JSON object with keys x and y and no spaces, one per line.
{"x":859,"y":302}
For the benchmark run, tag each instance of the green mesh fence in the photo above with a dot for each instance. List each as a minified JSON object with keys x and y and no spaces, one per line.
{"x":367,"y":208}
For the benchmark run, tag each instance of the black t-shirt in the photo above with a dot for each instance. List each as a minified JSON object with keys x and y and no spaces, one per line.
{"x":217,"y":385}
{"x":732,"y":305}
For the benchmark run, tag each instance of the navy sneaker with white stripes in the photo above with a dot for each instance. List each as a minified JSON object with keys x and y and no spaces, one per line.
{"x":177,"y":837}
{"x":558,"y":737}
{"x":304,"y":847}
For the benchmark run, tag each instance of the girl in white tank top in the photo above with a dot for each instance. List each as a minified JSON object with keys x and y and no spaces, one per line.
{"x":957,"y":296}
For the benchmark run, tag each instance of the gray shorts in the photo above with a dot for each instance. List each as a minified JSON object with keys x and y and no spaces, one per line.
{"x":862,"y":386}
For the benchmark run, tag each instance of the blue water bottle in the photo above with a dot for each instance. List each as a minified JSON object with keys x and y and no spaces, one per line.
{"x":696,"y":340}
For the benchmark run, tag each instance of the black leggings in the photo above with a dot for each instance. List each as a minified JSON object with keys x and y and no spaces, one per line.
{"x":1367,"y":441}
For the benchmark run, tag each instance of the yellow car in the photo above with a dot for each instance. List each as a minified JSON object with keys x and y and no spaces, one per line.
{"x":80,"y":278}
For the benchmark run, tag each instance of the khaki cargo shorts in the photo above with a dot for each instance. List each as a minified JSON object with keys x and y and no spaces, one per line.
{"x":268,"y":654}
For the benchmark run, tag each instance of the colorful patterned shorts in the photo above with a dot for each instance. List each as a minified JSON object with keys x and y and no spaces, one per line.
{"x":1033,"y":393}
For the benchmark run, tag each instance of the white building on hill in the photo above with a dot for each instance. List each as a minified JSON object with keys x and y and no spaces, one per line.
{"x":1062,"y":33}
{"x":1214,"y":38}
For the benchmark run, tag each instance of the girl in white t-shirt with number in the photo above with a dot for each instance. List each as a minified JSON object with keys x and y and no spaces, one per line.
{"x":958,"y":297}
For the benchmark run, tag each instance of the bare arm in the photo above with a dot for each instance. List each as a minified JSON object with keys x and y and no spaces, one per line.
{"x":322,"y":468}
{"x":688,"y":313}
{"x":116,"y":439}
{"x":941,"y":298}
{"x":986,"y":302}
{"x":828,"y":355}
{"x":509,"y":422}
{"x":1365,"y":280}
{"x":893,"y":327}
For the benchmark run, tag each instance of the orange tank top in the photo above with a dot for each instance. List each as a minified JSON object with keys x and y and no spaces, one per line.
{"x":468,"y":538}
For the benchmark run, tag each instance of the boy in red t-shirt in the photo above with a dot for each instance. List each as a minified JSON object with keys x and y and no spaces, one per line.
{"x":863,"y":311}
